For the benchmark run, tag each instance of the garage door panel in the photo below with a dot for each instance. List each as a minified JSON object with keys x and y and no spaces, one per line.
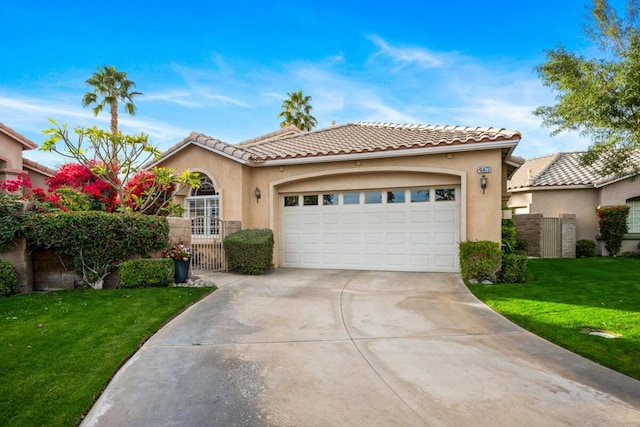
{"x":409,"y":236}
{"x":351,"y":218}
{"x":370,"y":218}
{"x":372,"y":238}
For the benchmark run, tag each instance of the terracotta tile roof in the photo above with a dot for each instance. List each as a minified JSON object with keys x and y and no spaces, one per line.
{"x":27,"y":143}
{"x":561,"y":169}
{"x":363,"y":137}
{"x":351,"y":138}
{"x":30,"y":164}
{"x":280,"y":133}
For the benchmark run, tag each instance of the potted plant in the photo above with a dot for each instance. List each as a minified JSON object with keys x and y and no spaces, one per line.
{"x":181,"y":256}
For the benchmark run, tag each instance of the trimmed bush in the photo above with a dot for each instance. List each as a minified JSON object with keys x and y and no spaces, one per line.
{"x":8,"y":279}
{"x":249,"y":251}
{"x":514,"y":269}
{"x":585,"y":248}
{"x":146,"y":272}
{"x":480,"y":260}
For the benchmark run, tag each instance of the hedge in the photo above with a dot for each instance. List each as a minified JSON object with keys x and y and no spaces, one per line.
{"x":97,"y":242}
{"x":8,"y":279}
{"x":480,"y":260}
{"x":249,"y":251}
{"x":514,"y":268}
{"x":146,"y":272}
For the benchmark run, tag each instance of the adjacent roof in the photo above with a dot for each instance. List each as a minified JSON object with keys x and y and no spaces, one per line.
{"x":44,"y":170}
{"x":560,"y":170}
{"x":27,"y":143}
{"x":351,"y":138}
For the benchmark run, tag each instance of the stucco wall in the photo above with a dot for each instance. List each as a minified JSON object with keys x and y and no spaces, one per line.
{"x":10,"y":158}
{"x":581,"y":202}
{"x":617,"y":193}
{"x":236,"y":183}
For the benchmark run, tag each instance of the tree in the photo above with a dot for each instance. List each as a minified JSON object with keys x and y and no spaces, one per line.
{"x":600,"y":97}
{"x":296,"y":111}
{"x":115,"y":159}
{"x":114,"y":87}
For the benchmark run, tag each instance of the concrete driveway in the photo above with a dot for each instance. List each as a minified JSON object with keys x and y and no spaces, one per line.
{"x":352,"y":348}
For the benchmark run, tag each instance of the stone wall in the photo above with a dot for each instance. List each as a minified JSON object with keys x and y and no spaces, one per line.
{"x":180,"y":230}
{"x":529,"y":226}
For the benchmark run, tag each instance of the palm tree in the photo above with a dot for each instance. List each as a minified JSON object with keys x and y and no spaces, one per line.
{"x":297,"y":111}
{"x":113,"y":86}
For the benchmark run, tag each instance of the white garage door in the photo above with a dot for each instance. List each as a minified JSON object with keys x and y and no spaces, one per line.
{"x":411,"y":229}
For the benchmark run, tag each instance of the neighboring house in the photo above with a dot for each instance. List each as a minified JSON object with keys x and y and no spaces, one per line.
{"x":362,"y":195}
{"x":12,"y":162}
{"x":559,"y":184}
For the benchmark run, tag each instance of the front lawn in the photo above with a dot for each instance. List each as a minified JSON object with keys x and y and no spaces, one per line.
{"x":565,"y":298}
{"x":59,"y":349}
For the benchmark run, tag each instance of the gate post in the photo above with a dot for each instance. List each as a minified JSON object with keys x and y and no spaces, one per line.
{"x":568,"y":225}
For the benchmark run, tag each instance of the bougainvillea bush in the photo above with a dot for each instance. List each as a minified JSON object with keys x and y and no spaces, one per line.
{"x":612,"y":221}
{"x":83,"y":180}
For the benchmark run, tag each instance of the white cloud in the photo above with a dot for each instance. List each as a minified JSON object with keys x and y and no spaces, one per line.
{"x":405,"y":56}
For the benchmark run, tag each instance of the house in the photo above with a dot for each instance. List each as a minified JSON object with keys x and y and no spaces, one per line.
{"x":12,"y":162}
{"x":559,"y":184}
{"x":363,"y":195}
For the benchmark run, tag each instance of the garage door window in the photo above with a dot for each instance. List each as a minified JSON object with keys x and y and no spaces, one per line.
{"x":330,"y":199}
{"x":311,"y":200}
{"x":396,"y":196}
{"x":351,"y":198}
{"x":418,"y":196}
{"x":290,"y":201}
{"x":372,"y":197}
{"x":445,"y":194}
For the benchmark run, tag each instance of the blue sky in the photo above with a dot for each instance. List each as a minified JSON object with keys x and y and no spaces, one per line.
{"x":223,"y":68}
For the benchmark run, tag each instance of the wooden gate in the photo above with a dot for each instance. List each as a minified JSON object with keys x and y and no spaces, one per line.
{"x":551,"y":238}
{"x":207,"y":234}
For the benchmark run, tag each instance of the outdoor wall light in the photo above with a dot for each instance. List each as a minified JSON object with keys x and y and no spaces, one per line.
{"x":256,"y":192}
{"x":483,"y":183}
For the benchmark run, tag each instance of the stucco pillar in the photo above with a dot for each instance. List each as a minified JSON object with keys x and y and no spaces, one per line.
{"x":21,"y":259}
{"x":568,"y":232}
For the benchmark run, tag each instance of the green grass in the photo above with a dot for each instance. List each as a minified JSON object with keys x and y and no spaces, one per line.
{"x":59,"y":349}
{"x":564,"y":297}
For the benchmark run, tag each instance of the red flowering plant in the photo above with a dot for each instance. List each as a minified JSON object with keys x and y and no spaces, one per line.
{"x":149,"y":192}
{"x":84,"y":180}
{"x":178,"y":251}
{"x":41,"y":201}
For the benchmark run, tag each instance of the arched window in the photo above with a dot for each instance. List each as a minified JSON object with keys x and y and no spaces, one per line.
{"x":633,"y":220}
{"x":203,"y":207}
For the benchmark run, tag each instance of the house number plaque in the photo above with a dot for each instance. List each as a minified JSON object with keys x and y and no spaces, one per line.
{"x":484,"y":169}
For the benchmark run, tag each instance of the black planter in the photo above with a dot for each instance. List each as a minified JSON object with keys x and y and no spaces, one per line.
{"x":181,"y":270}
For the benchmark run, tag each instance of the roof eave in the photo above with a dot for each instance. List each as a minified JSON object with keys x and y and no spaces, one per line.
{"x":552,"y":187}
{"x":204,"y":146}
{"x":510,"y":143}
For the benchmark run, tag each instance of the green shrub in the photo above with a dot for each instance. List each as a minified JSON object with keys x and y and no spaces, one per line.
{"x":514,"y":269}
{"x":249,"y":251}
{"x":11,"y":217}
{"x":146,"y":272}
{"x":480,"y":260}
{"x":509,"y":234}
{"x":96,"y":242}
{"x":612,"y":221}
{"x":522,"y":246}
{"x":630,"y":254}
{"x":8,"y":279}
{"x":585,"y":248}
